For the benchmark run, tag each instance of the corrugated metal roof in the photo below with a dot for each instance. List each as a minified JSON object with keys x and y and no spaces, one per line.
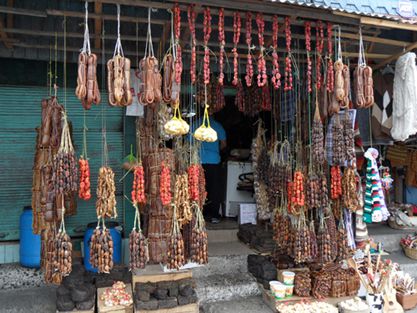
{"x":381,"y":8}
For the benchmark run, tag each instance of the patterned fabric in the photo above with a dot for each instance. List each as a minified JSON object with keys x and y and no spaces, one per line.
{"x":288,"y":106}
{"x":375,"y":209}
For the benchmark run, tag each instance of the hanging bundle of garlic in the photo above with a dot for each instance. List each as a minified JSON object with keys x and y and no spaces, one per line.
{"x":176,"y":126}
{"x":205,"y":132}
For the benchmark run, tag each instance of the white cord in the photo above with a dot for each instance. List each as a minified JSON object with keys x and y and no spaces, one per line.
{"x":361,"y":57}
{"x":86,"y":46}
{"x":149,"y":45}
{"x":118,"y":49}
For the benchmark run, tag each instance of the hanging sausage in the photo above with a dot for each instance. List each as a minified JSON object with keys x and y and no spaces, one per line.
{"x":118,"y":73}
{"x":87,"y":90}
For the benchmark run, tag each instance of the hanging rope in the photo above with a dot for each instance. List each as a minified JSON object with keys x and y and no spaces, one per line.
{"x":361,"y":57}
{"x":149,"y":45}
{"x":65,"y":62}
{"x":118,"y":49}
{"x":86,"y":46}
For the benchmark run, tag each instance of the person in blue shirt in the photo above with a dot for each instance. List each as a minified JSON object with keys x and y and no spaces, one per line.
{"x":211,"y":162}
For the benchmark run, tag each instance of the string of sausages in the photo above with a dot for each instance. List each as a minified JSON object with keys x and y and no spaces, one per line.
{"x":237,"y":24}
{"x":262,"y":77}
{"x":288,"y":65}
{"x":207,"y":32}
{"x":118,"y":81}
{"x":87,"y":90}
{"x":249,"y":66}
{"x":151,"y":79}
{"x":168,"y":66}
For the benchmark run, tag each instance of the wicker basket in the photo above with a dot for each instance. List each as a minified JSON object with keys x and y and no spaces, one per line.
{"x":410,"y":252}
{"x":408,"y":302}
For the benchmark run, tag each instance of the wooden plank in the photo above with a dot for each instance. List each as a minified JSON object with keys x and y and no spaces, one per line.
{"x":31,"y":32}
{"x":97,"y":25}
{"x":384,"y":41}
{"x":154,"y":274}
{"x":24,"y":12}
{"x":113,"y":309}
{"x":387,"y":24}
{"x":243,"y":5}
{"x":270,"y":300}
{"x":396,"y":56}
{"x":189,"y":308}
{"x":123,"y":18}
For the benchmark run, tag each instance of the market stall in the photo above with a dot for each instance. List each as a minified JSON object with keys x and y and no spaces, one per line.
{"x":294,"y":90}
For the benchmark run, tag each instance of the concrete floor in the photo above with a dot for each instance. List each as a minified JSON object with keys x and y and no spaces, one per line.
{"x":33,"y":300}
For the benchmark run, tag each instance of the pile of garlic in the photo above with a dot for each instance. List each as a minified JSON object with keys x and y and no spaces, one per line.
{"x":355,"y":304}
{"x":312,"y":307}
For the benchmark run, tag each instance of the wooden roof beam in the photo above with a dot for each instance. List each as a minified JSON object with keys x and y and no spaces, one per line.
{"x":43,"y":33}
{"x":24,"y":12}
{"x":97,"y":24}
{"x":123,"y":18}
{"x":246,"y":5}
{"x":394,"y":57}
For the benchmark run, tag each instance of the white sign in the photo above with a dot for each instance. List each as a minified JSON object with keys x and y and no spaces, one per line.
{"x":247,"y":213}
{"x":405,"y":8}
{"x":135,"y":109}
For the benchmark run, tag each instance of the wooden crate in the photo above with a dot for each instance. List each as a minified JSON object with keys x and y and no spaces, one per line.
{"x":295,"y":270}
{"x":189,"y":308}
{"x":270,"y":300}
{"x":154,"y":274}
{"x":113,"y":309}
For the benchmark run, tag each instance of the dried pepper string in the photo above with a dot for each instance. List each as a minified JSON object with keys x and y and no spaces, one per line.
{"x":262,"y":77}
{"x":165,"y":185}
{"x":288,"y":66}
{"x":237,"y":24}
{"x":177,"y":30}
{"x":207,"y":33}
{"x":276,"y":76}
{"x":191,"y":24}
{"x":319,"y":48}
{"x":222,"y":44}
{"x":249,"y":65}
{"x":307,"y":29}
{"x":330,"y":71}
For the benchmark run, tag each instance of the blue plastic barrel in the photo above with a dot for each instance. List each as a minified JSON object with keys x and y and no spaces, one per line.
{"x":117,"y":244}
{"x":30,"y":244}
